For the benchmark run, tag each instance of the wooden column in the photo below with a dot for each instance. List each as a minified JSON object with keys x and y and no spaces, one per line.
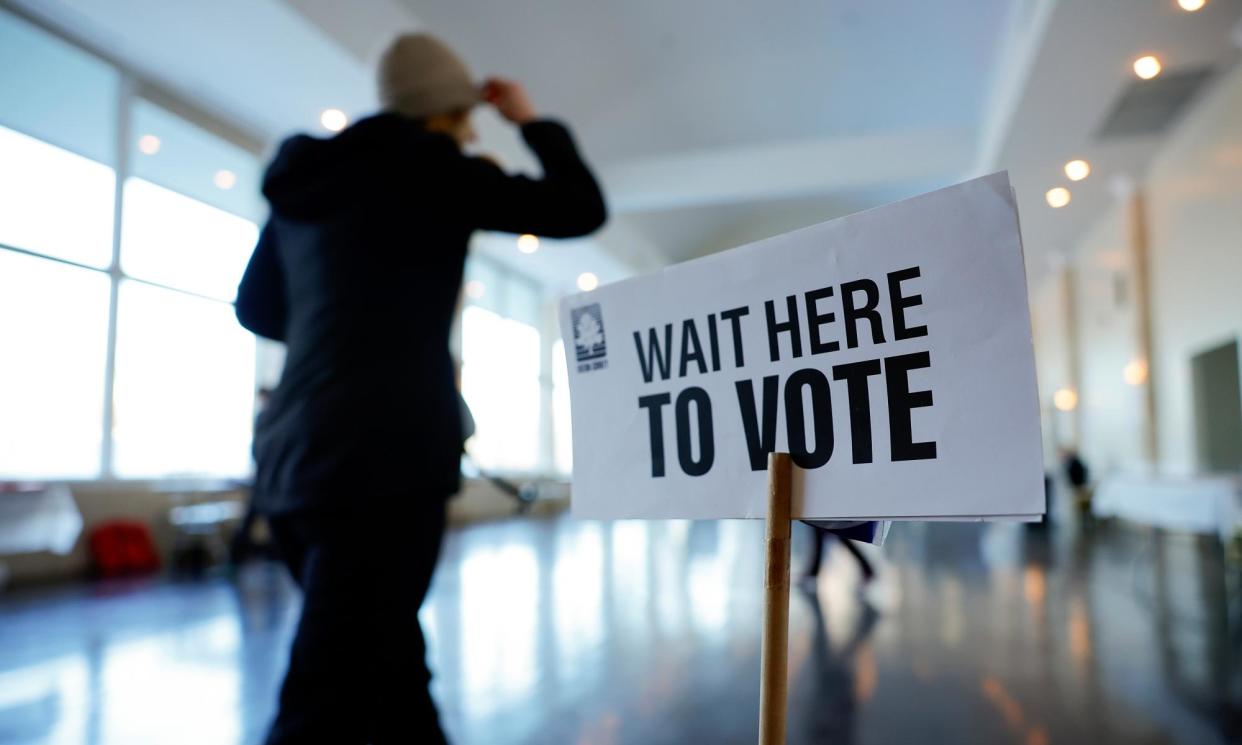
{"x":773,"y":683}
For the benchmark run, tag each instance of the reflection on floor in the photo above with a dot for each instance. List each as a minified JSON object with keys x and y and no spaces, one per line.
{"x":558,"y":631}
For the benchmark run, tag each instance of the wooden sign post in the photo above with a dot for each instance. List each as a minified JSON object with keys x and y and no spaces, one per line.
{"x":773,"y":682}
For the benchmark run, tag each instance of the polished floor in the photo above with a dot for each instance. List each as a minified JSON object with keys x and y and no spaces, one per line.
{"x":560,"y":631}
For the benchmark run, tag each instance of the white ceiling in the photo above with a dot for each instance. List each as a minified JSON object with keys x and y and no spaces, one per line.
{"x":652,"y":77}
{"x":1077,"y":73}
{"x":712,"y":123}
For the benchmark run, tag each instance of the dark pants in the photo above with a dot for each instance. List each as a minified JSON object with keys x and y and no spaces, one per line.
{"x":819,"y":536}
{"x":358,"y":669}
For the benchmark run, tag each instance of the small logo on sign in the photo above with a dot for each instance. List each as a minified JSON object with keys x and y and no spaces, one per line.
{"x":590,"y":346}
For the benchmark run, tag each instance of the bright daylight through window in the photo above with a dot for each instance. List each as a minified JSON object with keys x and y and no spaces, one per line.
{"x":40,"y":186}
{"x":182,"y":386}
{"x":55,"y":342}
{"x":503,"y":369}
{"x":179,"y":397}
{"x":500,"y":382}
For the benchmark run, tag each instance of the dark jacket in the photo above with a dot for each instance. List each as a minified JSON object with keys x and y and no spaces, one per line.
{"x":358,"y":271}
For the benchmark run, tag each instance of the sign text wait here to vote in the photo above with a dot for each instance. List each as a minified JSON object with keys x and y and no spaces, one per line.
{"x":797,"y":327}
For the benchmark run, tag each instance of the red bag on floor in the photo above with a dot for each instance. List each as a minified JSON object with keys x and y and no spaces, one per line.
{"x":123,"y":547}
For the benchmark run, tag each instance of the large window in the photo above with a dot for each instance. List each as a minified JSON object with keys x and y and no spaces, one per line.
{"x":562,"y":421}
{"x":152,"y":299}
{"x":173,"y":240}
{"x":184,"y":386}
{"x":54,"y":331}
{"x":501,"y":361}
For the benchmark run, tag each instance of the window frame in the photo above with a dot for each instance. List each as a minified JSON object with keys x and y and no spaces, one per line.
{"x":133,"y":87}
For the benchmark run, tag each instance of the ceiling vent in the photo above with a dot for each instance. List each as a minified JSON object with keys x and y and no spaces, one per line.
{"x":1148,"y":107}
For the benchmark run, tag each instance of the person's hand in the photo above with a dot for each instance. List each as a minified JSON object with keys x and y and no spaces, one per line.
{"x":510,"y":99}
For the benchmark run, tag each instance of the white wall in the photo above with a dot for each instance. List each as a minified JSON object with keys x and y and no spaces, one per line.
{"x":1107,"y":319}
{"x":1193,"y":206}
{"x":1194,"y":194}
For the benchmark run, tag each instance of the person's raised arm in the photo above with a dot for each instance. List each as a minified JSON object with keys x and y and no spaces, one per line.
{"x":261,"y":304}
{"x":565,"y":203}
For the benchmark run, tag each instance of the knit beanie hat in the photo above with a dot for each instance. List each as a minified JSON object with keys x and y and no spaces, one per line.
{"x":419,"y":76}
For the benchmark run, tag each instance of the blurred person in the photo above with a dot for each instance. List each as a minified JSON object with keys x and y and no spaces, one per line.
{"x":358,"y":271}
{"x":244,"y":544}
{"x":821,"y":535}
{"x":1079,"y":478}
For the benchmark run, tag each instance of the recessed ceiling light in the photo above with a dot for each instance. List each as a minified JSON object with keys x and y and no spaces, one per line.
{"x":1065,"y":399}
{"x":1191,"y":6}
{"x":1147,"y":67}
{"x":225,"y":179}
{"x":1077,"y":170}
{"x":333,"y":120}
{"x":587,"y":281}
{"x":527,"y":243}
{"x":475,"y":289}
{"x":1135,"y":372}
{"x":1058,"y":196}
{"x":149,"y":144}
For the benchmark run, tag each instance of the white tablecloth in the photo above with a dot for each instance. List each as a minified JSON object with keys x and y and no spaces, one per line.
{"x":42,"y":519}
{"x":1198,"y":504}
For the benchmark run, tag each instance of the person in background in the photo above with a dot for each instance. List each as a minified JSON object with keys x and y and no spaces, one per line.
{"x":243,"y":544}
{"x":819,"y":536}
{"x":1078,"y":476}
{"x":358,"y":271}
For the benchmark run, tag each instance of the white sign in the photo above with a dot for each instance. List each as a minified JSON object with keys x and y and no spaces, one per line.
{"x":889,"y":352}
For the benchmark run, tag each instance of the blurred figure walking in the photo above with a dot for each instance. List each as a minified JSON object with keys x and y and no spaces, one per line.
{"x":359,"y":271}
{"x":820,"y":536}
{"x":1079,"y":478}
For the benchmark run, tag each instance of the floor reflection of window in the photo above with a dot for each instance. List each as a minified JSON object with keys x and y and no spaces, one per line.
{"x":708,"y":581}
{"x":578,"y":599}
{"x":157,"y":683}
{"x":52,"y":697}
{"x":630,"y":579}
{"x":500,"y":605}
{"x":670,"y":593}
